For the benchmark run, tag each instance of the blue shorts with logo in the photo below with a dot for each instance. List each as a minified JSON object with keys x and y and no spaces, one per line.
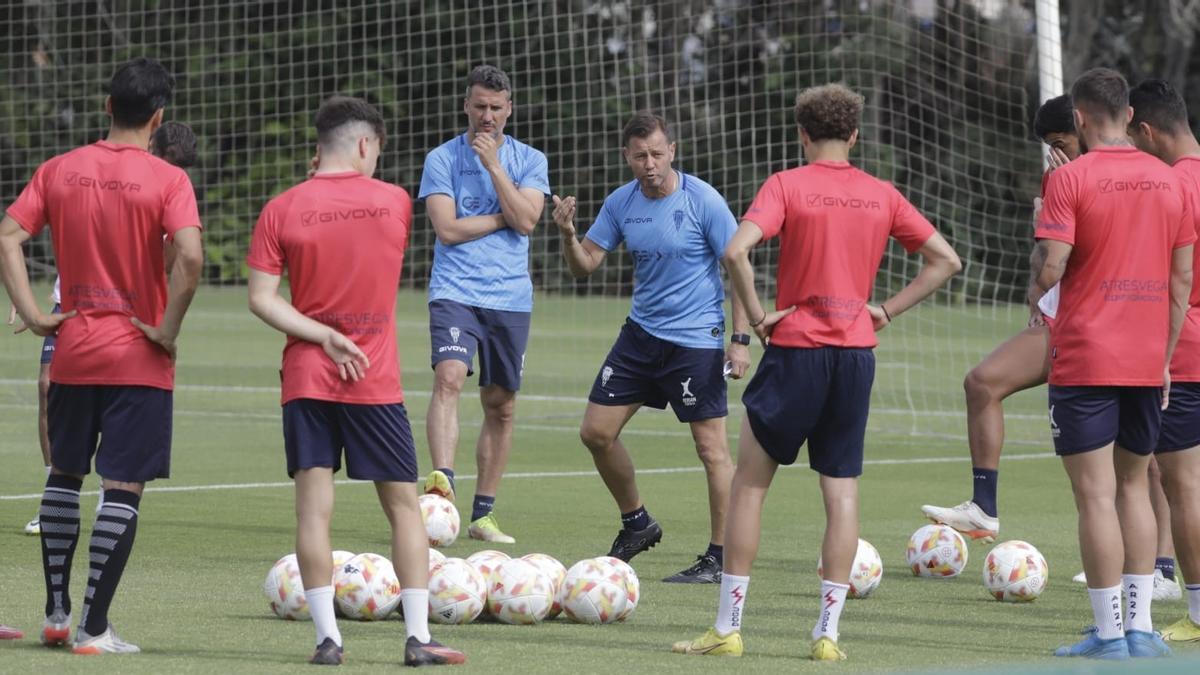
{"x":1086,"y":418}
{"x":821,"y":396}
{"x":48,"y":342}
{"x":458,"y":332}
{"x":642,"y":368}
{"x":377,"y":439}
{"x":126,"y":428}
{"x":1181,"y":419}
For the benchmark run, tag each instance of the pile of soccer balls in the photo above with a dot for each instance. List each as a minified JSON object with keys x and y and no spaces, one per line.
{"x":1013,"y":571}
{"x":526,"y":590}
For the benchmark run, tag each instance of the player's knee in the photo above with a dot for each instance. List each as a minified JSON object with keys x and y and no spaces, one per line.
{"x":977,"y":386}
{"x":448,"y":382}
{"x":500,"y":410}
{"x":714,"y":455}
{"x":596,"y":438}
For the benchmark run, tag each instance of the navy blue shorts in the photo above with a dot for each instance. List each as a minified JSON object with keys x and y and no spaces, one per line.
{"x":131,"y":424}
{"x":1181,"y":419}
{"x":48,"y":342}
{"x":821,"y":396}
{"x":377,"y":439}
{"x":458,"y":331}
{"x":641,"y":368}
{"x":1085,"y":418}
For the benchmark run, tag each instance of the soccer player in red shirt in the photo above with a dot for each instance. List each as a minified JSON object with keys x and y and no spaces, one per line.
{"x":1117,"y":231}
{"x":341,"y":236}
{"x":814,"y":381}
{"x":108,"y":205}
{"x":1160,"y":127}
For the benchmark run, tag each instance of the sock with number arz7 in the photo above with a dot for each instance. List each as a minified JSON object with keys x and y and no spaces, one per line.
{"x":1106,"y":611}
{"x":1139,"y":591}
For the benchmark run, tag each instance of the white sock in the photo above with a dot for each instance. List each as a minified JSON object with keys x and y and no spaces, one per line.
{"x":1139,"y":590}
{"x":100,"y":502}
{"x":48,"y":467}
{"x":1106,"y":609}
{"x":1193,"y":596}
{"x":415,"y":602}
{"x":833,"y":599}
{"x":320,"y":605}
{"x":732,"y":603}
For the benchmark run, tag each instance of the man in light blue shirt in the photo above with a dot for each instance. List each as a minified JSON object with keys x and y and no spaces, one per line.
{"x":484,"y":193}
{"x":675,"y":227}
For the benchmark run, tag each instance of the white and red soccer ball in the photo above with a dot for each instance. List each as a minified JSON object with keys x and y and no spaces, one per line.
{"x":1015,"y":571}
{"x":440,"y":518}
{"x":457,"y":592}
{"x":285,"y":590}
{"x":937,"y":551}
{"x":865,"y":573}
{"x":366,"y":587}
{"x":519,"y":592}
{"x":596,"y":591}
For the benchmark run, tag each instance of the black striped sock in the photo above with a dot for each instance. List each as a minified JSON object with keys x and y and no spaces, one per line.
{"x":59,"y":517}
{"x":112,"y":541}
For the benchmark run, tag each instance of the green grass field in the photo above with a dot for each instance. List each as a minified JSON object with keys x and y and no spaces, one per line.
{"x":192,"y":597}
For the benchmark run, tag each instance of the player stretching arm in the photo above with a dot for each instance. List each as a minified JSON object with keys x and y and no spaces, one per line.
{"x":341,"y":373}
{"x":1120,"y":310}
{"x":676,"y":227}
{"x":814,"y":381}
{"x":1160,"y":127}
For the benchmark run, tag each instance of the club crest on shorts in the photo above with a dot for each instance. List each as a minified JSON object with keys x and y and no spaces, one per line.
{"x":1054,"y":430}
{"x":605,"y":373}
{"x":678,"y":216}
{"x":454,"y":333}
{"x":689,"y":399}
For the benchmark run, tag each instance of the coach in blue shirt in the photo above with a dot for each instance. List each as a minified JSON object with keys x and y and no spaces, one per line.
{"x":484,"y":193}
{"x":675,"y":227}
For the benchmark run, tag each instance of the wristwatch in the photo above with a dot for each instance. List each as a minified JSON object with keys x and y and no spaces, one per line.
{"x":740,"y":338}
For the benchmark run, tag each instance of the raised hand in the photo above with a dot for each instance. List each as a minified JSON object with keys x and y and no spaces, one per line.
{"x":488,"y":150}
{"x":564,"y":215}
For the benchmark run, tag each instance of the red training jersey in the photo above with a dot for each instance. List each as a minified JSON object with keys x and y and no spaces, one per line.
{"x":1124,"y":212}
{"x":108,"y":207}
{"x":1185,"y":364}
{"x":834,"y":222}
{"x":341,"y":237}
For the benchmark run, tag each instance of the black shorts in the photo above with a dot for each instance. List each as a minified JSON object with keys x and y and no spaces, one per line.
{"x":377,"y":439}
{"x":820,"y":395}
{"x":132,"y":426}
{"x":1181,"y":419}
{"x":1087,"y":418}
{"x":642,"y":368}
{"x":457,"y":332}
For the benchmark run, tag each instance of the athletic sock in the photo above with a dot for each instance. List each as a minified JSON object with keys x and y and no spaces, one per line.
{"x":320,"y":606}
{"x":415,"y":602}
{"x":717,"y":551}
{"x":59,"y":515}
{"x":1139,"y":590}
{"x":1166,"y":566}
{"x":483,"y":505}
{"x":110,"y":546}
{"x":1193,"y":598}
{"x":985,"y":489}
{"x":732,"y":603}
{"x":449,"y":474}
{"x":48,"y":468}
{"x":1106,"y":610}
{"x":833,"y":599}
{"x":637,"y":519}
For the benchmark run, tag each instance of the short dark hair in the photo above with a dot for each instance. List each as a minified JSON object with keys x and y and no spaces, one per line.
{"x":1055,"y":116}
{"x":1101,"y":91}
{"x":175,"y":143}
{"x":137,"y":90}
{"x":337,"y":111}
{"x":642,"y":125}
{"x":830,"y":111}
{"x":489,"y":77}
{"x":1158,"y":104}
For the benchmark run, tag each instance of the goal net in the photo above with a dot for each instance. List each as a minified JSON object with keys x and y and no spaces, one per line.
{"x":950,"y":88}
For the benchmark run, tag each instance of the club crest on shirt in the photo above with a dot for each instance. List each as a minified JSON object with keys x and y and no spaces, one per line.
{"x":678,"y":216}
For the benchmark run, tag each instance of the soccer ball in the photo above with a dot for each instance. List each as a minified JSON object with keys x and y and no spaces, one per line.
{"x":285,"y":591}
{"x":456,"y":592}
{"x":556,"y":572}
{"x":633,"y":585}
{"x":366,"y":587}
{"x":520,"y":593}
{"x":1015,"y":571}
{"x":436,"y":558}
{"x":339,"y":558}
{"x":485,"y":562}
{"x":937,"y":551}
{"x":440,"y":518}
{"x":865,"y":573}
{"x":594,"y":592}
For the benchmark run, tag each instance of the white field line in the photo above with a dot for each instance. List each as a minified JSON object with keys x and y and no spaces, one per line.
{"x":541,"y":398}
{"x":538,"y":474}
